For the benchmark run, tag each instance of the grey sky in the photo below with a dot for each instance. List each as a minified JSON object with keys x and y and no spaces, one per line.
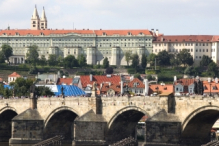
{"x":169,"y":16}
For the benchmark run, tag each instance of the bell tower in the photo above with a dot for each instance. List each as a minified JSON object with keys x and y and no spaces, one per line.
{"x":35,"y":20}
{"x":43,"y":20}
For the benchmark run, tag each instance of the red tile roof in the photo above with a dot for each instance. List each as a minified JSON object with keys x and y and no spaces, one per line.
{"x":184,"y":38}
{"x":136,"y":80}
{"x":85,"y":80}
{"x":67,"y":81}
{"x":214,"y":87}
{"x":160,"y":88}
{"x":215,"y":39}
{"x":96,"y":32}
{"x":122,"y":32}
{"x":185,"y":82}
{"x":114,"y":81}
{"x":14,"y":74}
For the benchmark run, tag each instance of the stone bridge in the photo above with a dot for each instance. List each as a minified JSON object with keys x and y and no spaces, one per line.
{"x":172,"y":120}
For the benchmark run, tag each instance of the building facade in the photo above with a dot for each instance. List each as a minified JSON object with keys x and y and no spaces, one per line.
{"x":94,"y":44}
{"x":197,"y":45}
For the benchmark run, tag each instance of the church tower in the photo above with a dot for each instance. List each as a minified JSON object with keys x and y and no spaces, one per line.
{"x":35,"y":20}
{"x":43,"y":20}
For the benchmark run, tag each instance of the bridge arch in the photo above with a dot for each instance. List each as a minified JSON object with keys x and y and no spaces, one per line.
{"x":8,"y":108}
{"x":58,"y":110}
{"x":197,"y":125}
{"x":7,"y":113}
{"x":60,"y":122}
{"x":123,"y":123}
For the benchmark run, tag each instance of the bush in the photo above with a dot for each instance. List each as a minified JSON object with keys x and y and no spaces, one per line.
{"x":131,"y":71}
{"x":151,"y":72}
{"x":150,"y":78}
{"x":109,"y":70}
{"x":33,"y":70}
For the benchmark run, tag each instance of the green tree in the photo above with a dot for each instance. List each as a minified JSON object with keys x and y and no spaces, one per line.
{"x":21,"y":86}
{"x":60,"y":61}
{"x":109,"y":70}
{"x":7,"y":50}
{"x":137,"y":76}
{"x":2,"y":57}
{"x":43,"y":61}
{"x":105,"y":63}
{"x":33,"y":55}
{"x":174,"y":62}
{"x":185,"y":57}
{"x":151,"y":58}
{"x":7,"y":93}
{"x":213,"y":69}
{"x":128,"y":57}
{"x":164,"y":58}
{"x":43,"y":91}
{"x":205,"y":61}
{"x":70,"y":61}
{"x":52,"y":61}
{"x":144,"y":60}
{"x":135,"y":62}
{"x":82,"y":60}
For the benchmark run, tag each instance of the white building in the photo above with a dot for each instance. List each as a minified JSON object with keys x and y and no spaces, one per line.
{"x":94,"y":44}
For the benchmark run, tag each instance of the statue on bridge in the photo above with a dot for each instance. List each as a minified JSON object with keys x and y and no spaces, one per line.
{"x":198,"y":87}
{"x":32,"y":88}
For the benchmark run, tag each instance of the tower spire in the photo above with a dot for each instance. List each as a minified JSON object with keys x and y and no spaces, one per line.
{"x":35,"y":13}
{"x":43,"y":16}
{"x":43,"y":20}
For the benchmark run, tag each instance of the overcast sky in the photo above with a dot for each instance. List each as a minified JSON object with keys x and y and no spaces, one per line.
{"x":171,"y":17}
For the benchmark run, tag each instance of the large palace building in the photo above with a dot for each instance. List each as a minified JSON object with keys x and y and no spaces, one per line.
{"x":94,"y":44}
{"x":98,"y":44}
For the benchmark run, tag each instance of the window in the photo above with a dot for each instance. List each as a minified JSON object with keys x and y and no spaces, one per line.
{"x":196,"y":44}
{"x":200,"y":57}
{"x":196,"y":50}
{"x":203,"y":50}
{"x":191,"y":50}
{"x":196,"y":57}
{"x":206,"y":50}
{"x":177,"y":89}
{"x":200,"y":50}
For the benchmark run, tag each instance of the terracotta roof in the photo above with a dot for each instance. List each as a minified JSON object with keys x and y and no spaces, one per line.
{"x":136,"y":80}
{"x":184,"y":82}
{"x":115,"y":87}
{"x":161,"y":88}
{"x":24,"y":32}
{"x":67,"y":81}
{"x":214,"y":87}
{"x":215,"y":39}
{"x":122,"y":32}
{"x":85,"y":80}
{"x":14,"y":74}
{"x":184,"y":38}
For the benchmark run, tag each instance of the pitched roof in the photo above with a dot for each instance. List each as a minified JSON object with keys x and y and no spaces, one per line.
{"x":115,"y":87}
{"x":67,"y":81}
{"x":184,"y":38}
{"x":161,"y":88}
{"x":24,"y":32}
{"x":136,"y":80}
{"x":211,"y":87}
{"x":184,"y":82}
{"x":14,"y":74}
{"x":85,"y":80}
{"x":215,"y":38}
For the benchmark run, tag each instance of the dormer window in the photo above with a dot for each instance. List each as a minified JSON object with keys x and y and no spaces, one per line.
{"x":156,"y":88}
{"x":141,"y":33}
{"x":42,"y":33}
{"x":129,"y":33}
{"x":165,"y":88}
{"x":17,"y":33}
{"x":104,"y":33}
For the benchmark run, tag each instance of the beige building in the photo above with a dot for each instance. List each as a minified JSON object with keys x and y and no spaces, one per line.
{"x":197,"y":45}
{"x":94,"y":44}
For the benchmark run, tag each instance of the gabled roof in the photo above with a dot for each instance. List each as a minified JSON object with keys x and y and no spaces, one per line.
{"x":215,"y":38}
{"x":211,"y":87}
{"x":184,"y":82}
{"x":137,"y":82}
{"x":161,"y":88}
{"x":106,"y":87}
{"x":85,"y":80}
{"x":67,"y":81}
{"x":14,"y":74}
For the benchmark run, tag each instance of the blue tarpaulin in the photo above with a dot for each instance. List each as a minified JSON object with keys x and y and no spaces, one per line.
{"x":69,"y":90}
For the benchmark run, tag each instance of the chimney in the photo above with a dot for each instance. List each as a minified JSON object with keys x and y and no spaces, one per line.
{"x":152,"y":30}
{"x":175,"y":79}
{"x":209,"y":80}
{"x":146,"y":87}
{"x":64,"y":77}
{"x":157,"y":32}
{"x":121,"y":87}
{"x":109,"y":83}
{"x":101,"y":85}
{"x":216,"y":80}
{"x":91,"y":77}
